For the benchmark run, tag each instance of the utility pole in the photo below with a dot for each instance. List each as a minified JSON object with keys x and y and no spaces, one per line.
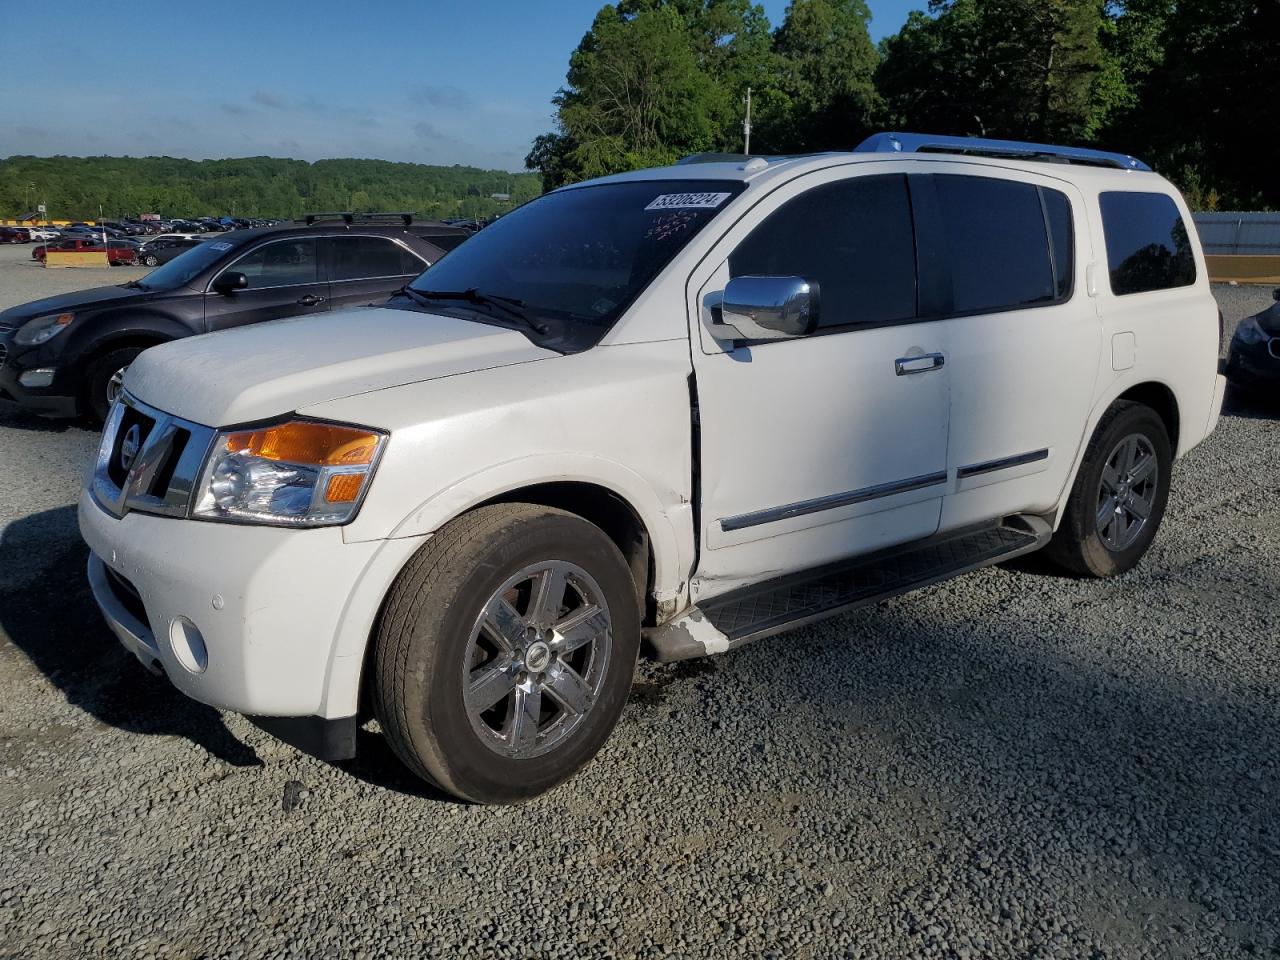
{"x":746,"y":126}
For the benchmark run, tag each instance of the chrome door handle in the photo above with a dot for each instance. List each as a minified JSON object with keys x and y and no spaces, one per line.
{"x":905,"y":366}
{"x":310,"y":300}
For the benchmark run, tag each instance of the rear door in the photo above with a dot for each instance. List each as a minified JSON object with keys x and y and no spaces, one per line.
{"x":368,"y":269}
{"x":284,"y":281}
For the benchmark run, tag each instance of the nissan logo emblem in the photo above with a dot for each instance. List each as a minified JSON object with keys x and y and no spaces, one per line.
{"x":129,"y":447}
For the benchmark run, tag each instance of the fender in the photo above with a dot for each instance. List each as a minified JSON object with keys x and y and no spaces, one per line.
{"x":99,"y":332}
{"x":1113,"y":393}
{"x":669,"y":524}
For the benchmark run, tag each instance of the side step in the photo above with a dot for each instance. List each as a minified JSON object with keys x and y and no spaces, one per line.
{"x":762,"y":609}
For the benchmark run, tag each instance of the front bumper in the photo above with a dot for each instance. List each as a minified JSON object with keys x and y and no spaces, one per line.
{"x":51,"y":400}
{"x":284,"y":615}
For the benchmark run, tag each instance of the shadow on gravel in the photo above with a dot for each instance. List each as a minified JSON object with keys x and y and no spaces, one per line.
{"x":47,"y":612}
{"x":1017,"y":741}
{"x":14,"y":417}
{"x":376,"y":765}
{"x":1250,"y":405}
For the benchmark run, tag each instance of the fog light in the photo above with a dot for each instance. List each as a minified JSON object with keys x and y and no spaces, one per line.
{"x":39,"y":377}
{"x":188,"y":645}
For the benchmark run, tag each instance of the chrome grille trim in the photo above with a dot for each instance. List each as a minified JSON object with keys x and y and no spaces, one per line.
{"x":137,"y":491}
{"x":4,"y":354}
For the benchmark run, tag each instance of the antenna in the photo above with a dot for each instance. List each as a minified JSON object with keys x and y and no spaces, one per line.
{"x":746,"y":127}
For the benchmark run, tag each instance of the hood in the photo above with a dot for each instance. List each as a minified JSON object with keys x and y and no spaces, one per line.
{"x":81,"y":299}
{"x":268,"y":369}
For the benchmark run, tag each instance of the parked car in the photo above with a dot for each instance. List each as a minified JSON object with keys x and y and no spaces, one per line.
{"x":14,"y":235}
{"x":119,"y":252}
{"x":75,"y":366}
{"x":1253,"y":361}
{"x":40,"y":234}
{"x":702,"y":404}
{"x":163,"y":249}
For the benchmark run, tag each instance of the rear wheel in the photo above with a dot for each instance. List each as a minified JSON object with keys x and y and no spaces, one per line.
{"x":505,"y":653}
{"x":151,"y":260}
{"x":106,"y":381}
{"x":1119,"y":496}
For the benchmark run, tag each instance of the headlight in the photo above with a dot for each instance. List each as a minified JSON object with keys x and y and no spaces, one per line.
{"x":298,"y":473}
{"x":42,"y":328}
{"x":1250,"y":331}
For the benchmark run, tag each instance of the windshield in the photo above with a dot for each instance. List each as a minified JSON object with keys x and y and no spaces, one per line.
{"x":184,"y":268}
{"x":570,"y":261}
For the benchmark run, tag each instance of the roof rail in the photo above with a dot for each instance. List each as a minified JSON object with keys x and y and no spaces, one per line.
{"x":346,"y":216}
{"x":1008,"y":149}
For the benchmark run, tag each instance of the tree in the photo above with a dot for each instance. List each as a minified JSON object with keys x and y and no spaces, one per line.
{"x":826,"y":94}
{"x":1026,"y":69}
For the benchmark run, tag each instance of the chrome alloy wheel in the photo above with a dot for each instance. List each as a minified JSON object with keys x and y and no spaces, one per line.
{"x":1127,"y":493}
{"x":115,"y":385}
{"x":537,"y":659}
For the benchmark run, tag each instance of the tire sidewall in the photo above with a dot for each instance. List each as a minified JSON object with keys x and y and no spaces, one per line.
{"x":439,"y":726}
{"x":1097,"y":556}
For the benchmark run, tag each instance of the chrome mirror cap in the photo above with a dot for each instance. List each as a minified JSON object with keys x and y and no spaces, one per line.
{"x":767,"y":308}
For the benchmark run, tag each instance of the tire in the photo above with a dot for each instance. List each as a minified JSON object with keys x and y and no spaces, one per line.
{"x":98,"y":391}
{"x":1102,"y":533}
{"x":433,"y":634}
{"x":151,"y":261}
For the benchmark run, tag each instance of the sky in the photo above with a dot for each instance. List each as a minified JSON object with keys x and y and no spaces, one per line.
{"x":426,"y":82}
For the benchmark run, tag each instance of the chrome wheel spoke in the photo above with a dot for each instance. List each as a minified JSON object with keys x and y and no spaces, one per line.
{"x":1110,"y":477}
{"x":1142,"y":470}
{"x":1138,"y":507}
{"x":1106,"y":512}
{"x":582,"y":626}
{"x":567,"y":688}
{"x":506,"y":626}
{"x":521,"y":731}
{"x":490,"y":683}
{"x":547,"y":597}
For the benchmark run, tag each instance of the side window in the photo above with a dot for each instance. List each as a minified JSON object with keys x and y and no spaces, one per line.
{"x":360,"y":258}
{"x":854,"y":238}
{"x":1147,"y":243}
{"x":997,"y":243}
{"x":1062,"y":247}
{"x":282,"y":263}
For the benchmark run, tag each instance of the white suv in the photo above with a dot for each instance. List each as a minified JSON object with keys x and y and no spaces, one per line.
{"x":695,"y":405}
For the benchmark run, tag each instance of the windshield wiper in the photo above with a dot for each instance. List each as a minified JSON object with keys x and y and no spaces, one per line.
{"x":509,"y":305}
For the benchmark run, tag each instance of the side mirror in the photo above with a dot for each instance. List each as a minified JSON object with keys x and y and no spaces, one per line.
{"x":229,"y":282}
{"x":767,"y":308}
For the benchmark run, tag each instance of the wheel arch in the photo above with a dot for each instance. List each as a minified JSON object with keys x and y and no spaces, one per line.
{"x":1156,"y":395}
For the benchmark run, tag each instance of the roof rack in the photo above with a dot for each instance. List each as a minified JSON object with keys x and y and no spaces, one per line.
{"x":1008,"y":149}
{"x":346,"y":216}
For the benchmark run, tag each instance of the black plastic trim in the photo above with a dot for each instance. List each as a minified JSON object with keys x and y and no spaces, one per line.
{"x":322,"y":737}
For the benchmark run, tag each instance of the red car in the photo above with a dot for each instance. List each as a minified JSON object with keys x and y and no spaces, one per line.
{"x":119,"y":252}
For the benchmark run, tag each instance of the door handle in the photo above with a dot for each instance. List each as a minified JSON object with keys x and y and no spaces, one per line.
{"x":905,"y":366}
{"x":310,"y":300}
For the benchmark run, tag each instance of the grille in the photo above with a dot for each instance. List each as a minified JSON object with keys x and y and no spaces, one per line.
{"x":128,"y":595}
{"x":148,"y":461}
{"x":4,"y":353}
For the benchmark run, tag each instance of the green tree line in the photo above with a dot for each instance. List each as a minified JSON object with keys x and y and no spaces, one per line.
{"x":76,"y":187}
{"x":1191,"y":86}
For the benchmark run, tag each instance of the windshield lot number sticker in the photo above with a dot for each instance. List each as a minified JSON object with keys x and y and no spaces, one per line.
{"x":687,"y":201}
{"x":221,"y":245}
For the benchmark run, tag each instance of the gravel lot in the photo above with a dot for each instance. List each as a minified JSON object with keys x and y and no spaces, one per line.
{"x":1008,"y":765}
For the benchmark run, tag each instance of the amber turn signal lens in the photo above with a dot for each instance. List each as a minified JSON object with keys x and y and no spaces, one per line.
{"x":344,"y":488}
{"x":304,"y":442}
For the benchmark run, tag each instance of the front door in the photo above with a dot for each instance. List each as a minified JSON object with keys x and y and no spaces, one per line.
{"x":830,"y":445}
{"x":284,"y":281}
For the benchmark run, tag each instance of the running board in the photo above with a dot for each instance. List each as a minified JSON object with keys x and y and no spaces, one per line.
{"x":763,"y":609}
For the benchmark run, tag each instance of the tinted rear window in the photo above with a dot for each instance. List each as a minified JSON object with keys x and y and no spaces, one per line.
{"x":1147,"y":243}
{"x":998,"y":244}
{"x":1057,"y":209}
{"x":854,"y":238}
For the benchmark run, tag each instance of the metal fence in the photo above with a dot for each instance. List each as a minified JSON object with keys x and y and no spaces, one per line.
{"x":1239,"y":233}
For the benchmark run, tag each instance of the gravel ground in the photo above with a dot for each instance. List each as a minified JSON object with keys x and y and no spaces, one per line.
{"x":1007,"y":765}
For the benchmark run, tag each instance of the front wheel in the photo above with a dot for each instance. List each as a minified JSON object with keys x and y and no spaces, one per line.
{"x":106,"y":381}
{"x":1119,"y":496}
{"x":151,"y":261}
{"x":505,"y":652}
